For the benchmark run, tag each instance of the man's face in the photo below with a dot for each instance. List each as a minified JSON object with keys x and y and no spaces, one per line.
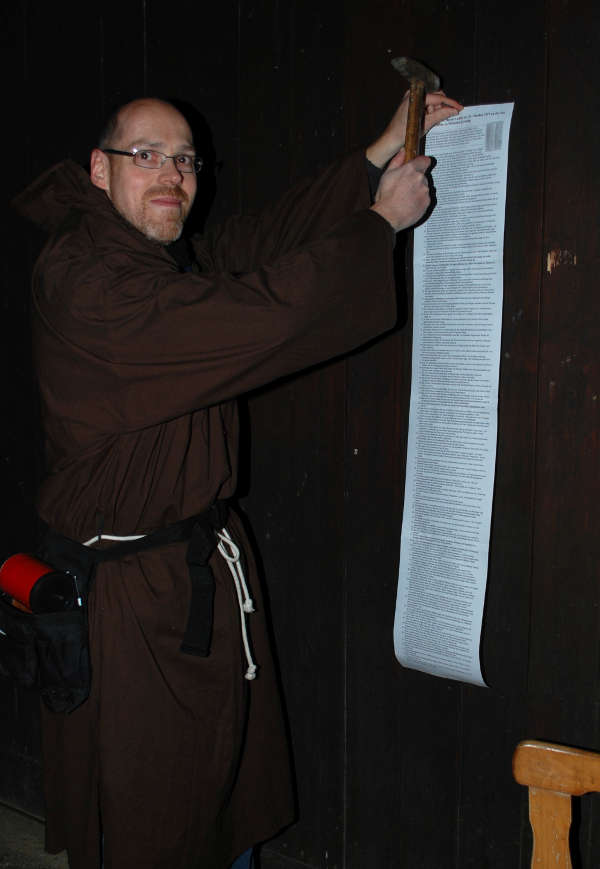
{"x":155,"y":201}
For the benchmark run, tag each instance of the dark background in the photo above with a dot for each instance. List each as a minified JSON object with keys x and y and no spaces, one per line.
{"x":394,"y":767}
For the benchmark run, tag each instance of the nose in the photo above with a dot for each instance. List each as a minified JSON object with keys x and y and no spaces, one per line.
{"x":169,"y":173}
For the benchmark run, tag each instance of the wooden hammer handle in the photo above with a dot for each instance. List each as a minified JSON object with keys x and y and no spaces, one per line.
{"x":416,"y":105}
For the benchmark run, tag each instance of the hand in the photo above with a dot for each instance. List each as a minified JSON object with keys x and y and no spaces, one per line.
{"x":438,"y":107}
{"x":403,"y":193}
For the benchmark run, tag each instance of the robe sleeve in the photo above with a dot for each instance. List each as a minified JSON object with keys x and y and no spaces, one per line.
{"x":133,"y":342}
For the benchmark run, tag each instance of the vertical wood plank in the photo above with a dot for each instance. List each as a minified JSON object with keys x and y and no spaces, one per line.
{"x":62,"y":79}
{"x":294,"y":505}
{"x":494,"y":827}
{"x":193,"y":56}
{"x":120,"y":43}
{"x":289,"y":127}
{"x":50,"y":101}
{"x":563,"y":675}
{"x":267,"y":91}
{"x":566,"y":592}
{"x":492,"y":809}
{"x":505,"y":638}
{"x":403,"y":767}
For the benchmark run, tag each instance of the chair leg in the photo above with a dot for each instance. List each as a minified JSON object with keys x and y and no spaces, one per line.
{"x":550,"y":817}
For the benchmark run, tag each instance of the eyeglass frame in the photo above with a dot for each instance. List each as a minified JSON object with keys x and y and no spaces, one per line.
{"x":197,"y":162}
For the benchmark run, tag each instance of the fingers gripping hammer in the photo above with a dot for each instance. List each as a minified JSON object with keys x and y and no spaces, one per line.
{"x":422,"y":81}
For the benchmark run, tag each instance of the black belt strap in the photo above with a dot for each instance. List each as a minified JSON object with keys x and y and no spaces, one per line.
{"x":64,"y":553}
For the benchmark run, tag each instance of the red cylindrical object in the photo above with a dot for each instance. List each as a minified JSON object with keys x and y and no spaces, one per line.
{"x":35,"y":584}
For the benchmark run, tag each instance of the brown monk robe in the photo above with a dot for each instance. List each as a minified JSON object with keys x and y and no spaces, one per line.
{"x":179,"y":760}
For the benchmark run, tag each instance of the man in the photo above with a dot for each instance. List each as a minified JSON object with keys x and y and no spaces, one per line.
{"x":175,"y":760}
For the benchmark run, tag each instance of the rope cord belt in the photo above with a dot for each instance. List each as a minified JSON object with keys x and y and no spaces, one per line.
{"x":231,"y":554}
{"x":205,"y":533}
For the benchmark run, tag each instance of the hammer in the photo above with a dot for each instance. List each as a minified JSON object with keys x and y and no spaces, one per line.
{"x":422,"y":81}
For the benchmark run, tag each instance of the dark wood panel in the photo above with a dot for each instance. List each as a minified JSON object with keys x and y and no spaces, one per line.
{"x":194,"y":57}
{"x":506,"y":632}
{"x":16,"y":479}
{"x":271,"y":859}
{"x":566,"y":591}
{"x":47,"y":86}
{"x":267,"y":92}
{"x":403,"y":762}
{"x":294,"y":505}
{"x":17,"y":470}
{"x":290,"y":118}
{"x":492,"y":808}
{"x":402,"y":765}
{"x":290,"y":126}
{"x":119,"y":44}
{"x":62,"y":78}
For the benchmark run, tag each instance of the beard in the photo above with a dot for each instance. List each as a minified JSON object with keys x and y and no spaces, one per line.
{"x":162,"y":228}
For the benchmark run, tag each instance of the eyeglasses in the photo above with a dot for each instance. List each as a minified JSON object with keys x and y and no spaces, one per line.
{"x":148,"y":159}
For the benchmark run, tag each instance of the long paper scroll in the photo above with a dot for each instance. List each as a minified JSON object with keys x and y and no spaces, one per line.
{"x":454,"y":397}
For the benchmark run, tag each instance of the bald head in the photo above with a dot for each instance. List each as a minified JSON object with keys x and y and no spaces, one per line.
{"x":155,"y":201}
{"x":112,"y":131}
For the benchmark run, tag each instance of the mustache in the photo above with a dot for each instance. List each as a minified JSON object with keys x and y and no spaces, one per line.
{"x":171,"y":192}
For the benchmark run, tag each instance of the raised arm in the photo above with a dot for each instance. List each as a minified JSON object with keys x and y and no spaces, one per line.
{"x":438,"y":107}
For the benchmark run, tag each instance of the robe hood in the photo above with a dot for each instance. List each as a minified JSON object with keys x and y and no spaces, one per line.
{"x":66,"y":189}
{"x":62,"y":189}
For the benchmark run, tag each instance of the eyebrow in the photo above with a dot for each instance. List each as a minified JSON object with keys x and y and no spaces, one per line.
{"x":140,"y":143}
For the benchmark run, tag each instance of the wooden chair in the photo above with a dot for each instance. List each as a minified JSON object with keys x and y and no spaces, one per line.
{"x":553,"y":774}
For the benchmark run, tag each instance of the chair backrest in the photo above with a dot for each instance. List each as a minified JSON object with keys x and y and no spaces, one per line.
{"x":553,"y":773}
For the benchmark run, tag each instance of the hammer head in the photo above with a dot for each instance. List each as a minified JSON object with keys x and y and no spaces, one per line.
{"x":412,"y":69}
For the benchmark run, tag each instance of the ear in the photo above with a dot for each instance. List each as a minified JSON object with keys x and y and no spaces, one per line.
{"x":100,"y":170}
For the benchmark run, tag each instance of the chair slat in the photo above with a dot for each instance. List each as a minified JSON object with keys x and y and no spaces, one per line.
{"x":557,"y":768}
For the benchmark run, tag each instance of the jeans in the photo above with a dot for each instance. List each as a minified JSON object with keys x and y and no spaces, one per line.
{"x":244,"y":861}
